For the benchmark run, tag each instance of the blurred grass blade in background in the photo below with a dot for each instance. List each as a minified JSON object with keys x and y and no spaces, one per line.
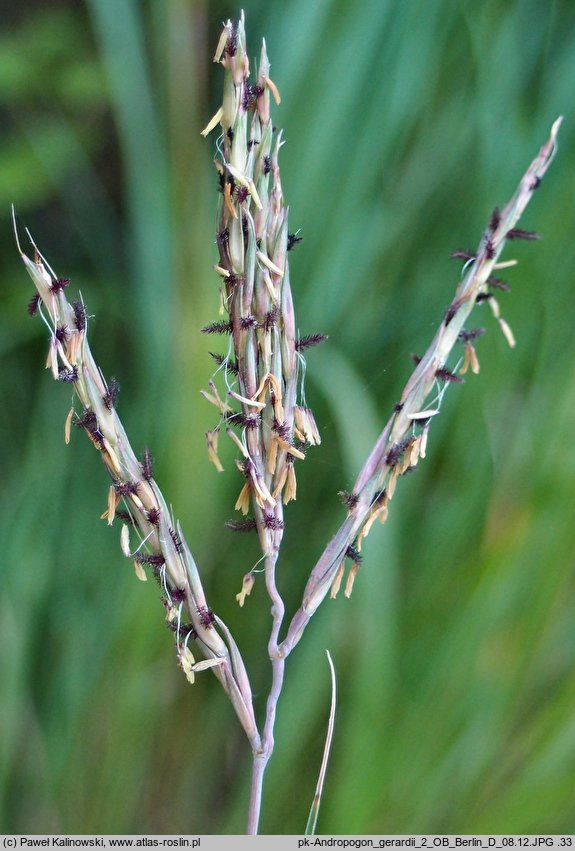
{"x":140,"y":120}
{"x":311,"y":825}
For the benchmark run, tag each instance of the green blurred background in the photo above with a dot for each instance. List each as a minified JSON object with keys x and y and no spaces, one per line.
{"x":406,"y":122}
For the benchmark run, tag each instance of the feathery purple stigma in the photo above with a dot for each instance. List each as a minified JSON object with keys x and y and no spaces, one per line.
{"x":33,"y":305}
{"x":147,"y":465}
{"x":177,"y":541}
{"x":472,"y":334}
{"x":250,"y":96}
{"x":282,"y":430}
{"x":462,"y":254}
{"x":519,"y":233}
{"x":224,"y":236}
{"x":489,"y":249}
{"x":111,"y":394}
{"x":61,"y":333}
{"x":446,"y":375}
{"x":232,"y":42}
{"x":60,"y":284}
{"x":156,"y":559}
{"x":397,"y":450}
{"x":353,"y":553}
{"x":248,"y":322}
{"x":248,"y":525}
{"x":230,"y":365}
{"x":293,"y":240}
{"x":207,"y":617}
{"x":349,"y":499}
{"x":89,"y":421}
{"x":79,"y":315}
{"x":126,"y":488}
{"x":153,"y":516}
{"x":68,"y":375}
{"x":241,"y":194}
{"x":310,"y":340}
{"x":271,"y":319}
{"x":223,"y":327}
{"x":249,"y":421}
{"x":273,"y":522}
{"x":178,"y":595}
{"x":497,"y":284}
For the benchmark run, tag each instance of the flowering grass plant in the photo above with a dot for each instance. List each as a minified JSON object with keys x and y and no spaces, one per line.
{"x":258,"y":391}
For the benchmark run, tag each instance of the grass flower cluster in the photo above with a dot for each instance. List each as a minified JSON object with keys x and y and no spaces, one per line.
{"x":259,"y":395}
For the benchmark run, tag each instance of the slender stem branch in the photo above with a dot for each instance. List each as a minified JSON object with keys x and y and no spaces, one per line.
{"x":278,"y":608}
{"x":261,"y":758}
{"x":254,"y":809}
